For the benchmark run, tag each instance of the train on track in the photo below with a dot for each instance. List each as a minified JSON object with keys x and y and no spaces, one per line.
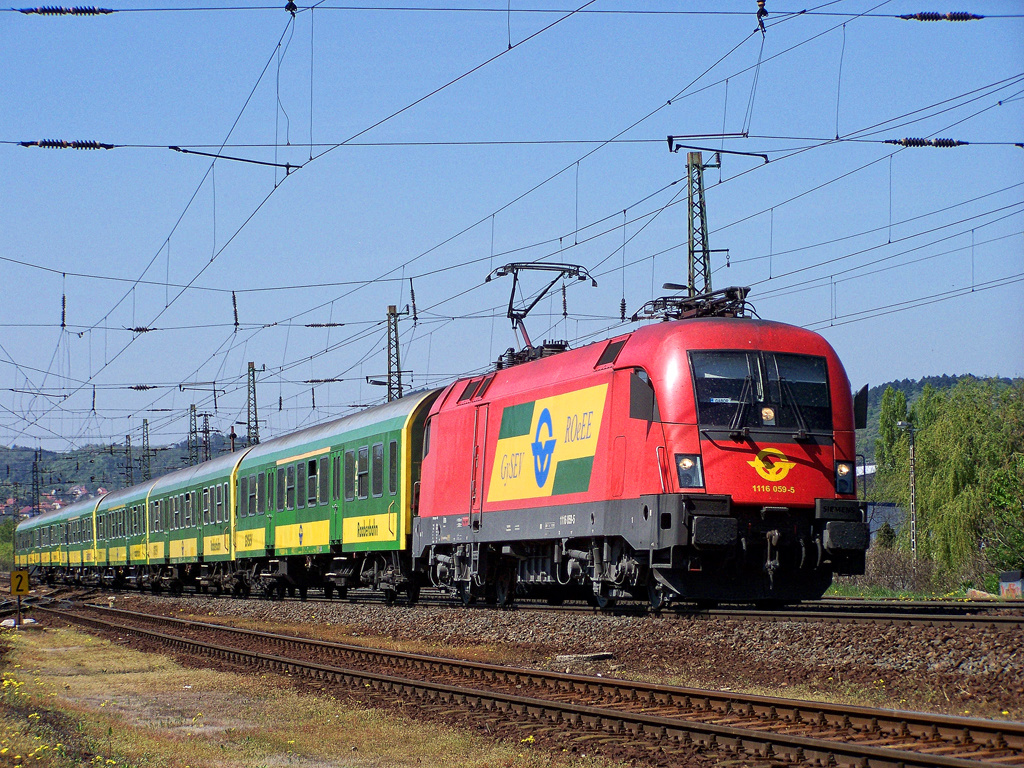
{"x":708,"y":459}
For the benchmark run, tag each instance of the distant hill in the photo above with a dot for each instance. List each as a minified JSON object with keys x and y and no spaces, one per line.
{"x":912,"y":388}
{"x":91,"y":467}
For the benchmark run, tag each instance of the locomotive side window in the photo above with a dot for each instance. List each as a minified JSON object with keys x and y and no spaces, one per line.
{"x":469,"y":391}
{"x":393,"y":467}
{"x":363,"y":472}
{"x":350,"y":475}
{"x":378,"y":469}
{"x":426,"y":437}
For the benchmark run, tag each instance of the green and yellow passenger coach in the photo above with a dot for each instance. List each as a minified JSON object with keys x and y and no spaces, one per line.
{"x":331,"y":506}
{"x":328,"y":507}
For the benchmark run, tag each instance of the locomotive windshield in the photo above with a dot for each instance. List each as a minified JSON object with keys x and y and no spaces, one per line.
{"x":762,"y":390}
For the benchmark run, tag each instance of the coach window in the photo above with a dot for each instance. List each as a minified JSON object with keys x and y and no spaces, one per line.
{"x":261,"y":493}
{"x":312,"y":475}
{"x":188,"y":510}
{"x":322,"y":491}
{"x":363,"y":472}
{"x":219,"y":510}
{"x":252,"y":496}
{"x":206,"y":506}
{"x":393,"y":467}
{"x":350,"y":475}
{"x":179,"y":502}
{"x":378,"y":469}
{"x":336,"y":482}
{"x":227,"y":502}
{"x":289,"y":490}
{"x":282,"y":485}
{"x":300,"y":485}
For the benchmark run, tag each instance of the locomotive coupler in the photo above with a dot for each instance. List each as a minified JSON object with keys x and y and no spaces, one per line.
{"x":772,"y":558}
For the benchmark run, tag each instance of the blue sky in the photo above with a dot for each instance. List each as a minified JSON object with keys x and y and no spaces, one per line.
{"x":833,"y":235}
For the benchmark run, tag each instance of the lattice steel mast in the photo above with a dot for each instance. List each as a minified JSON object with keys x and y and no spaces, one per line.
{"x":394,"y":356}
{"x":252,"y":422}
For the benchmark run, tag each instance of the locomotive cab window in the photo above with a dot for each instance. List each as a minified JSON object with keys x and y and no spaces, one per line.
{"x":762,"y":390}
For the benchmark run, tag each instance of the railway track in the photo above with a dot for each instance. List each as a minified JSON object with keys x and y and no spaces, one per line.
{"x":935,"y":613}
{"x":631,"y":715}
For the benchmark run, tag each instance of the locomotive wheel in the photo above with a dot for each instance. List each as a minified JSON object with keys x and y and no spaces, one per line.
{"x":601,"y":602}
{"x":413,"y":592}
{"x":656,"y":594}
{"x":505,"y":588}
{"x":465,"y":592}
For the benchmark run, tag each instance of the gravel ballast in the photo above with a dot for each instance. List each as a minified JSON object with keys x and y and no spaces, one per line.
{"x":977,"y":671}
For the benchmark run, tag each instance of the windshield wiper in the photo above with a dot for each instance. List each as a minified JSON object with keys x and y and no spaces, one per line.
{"x":737,"y":430}
{"x":801,"y":423}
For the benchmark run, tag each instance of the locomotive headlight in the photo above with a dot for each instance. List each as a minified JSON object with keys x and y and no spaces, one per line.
{"x":844,"y":477}
{"x":768,"y":416}
{"x":688,"y":467}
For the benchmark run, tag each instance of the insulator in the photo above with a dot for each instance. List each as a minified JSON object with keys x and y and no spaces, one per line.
{"x":280,"y":403}
{"x":565,"y":305}
{"x":622,"y":310}
{"x":933,"y":16}
{"x":63,"y":310}
{"x":141,"y":387}
{"x":234,"y":307}
{"x":947,"y":143}
{"x":412,"y":298}
{"x":312,"y":393}
{"x":141,"y":329}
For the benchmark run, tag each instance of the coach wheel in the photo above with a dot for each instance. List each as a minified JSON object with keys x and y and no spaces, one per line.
{"x":328,"y":591}
{"x":342,"y":593}
{"x":281,"y":590}
{"x":303,"y":590}
{"x":390,"y":595}
{"x":505,"y":587}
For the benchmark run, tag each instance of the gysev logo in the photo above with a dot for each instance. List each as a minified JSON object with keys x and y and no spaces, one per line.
{"x":543,"y":450}
{"x":558,"y":435}
{"x":772,"y":464}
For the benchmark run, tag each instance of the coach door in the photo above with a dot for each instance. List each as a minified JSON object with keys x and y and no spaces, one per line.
{"x":476,"y":502}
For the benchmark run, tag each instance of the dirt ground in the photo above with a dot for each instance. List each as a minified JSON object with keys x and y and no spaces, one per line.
{"x":72,"y":699}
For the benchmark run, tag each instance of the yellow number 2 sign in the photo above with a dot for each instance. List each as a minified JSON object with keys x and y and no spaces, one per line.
{"x":19,"y":582}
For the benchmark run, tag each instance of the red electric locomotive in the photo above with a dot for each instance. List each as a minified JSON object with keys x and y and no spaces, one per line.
{"x":703,"y":459}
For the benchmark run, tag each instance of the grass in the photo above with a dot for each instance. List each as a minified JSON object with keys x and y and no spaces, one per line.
{"x":883,"y":593}
{"x":70,"y":699}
